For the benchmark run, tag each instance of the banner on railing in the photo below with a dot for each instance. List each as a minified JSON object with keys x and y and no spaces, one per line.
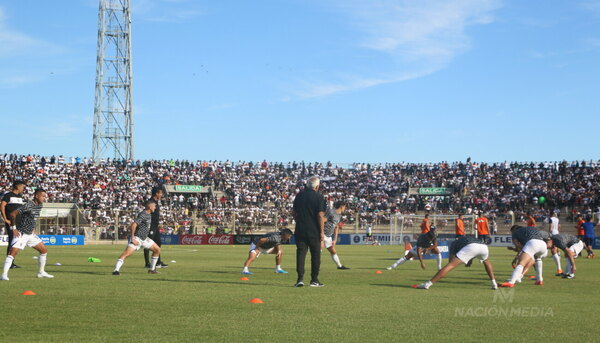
{"x":206,"y":239}
{"x":3,"y":240}
{"x":62,"y":239}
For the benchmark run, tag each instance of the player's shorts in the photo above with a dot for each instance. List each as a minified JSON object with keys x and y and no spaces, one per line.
{"x":260,"y":250}
{"x":588,"y":240}
{"x":328,"y":242}
{"x":369,"y":234}
{"x":25,"y":240}
{"x":146,"y":243}
{"x":536,"y":248}
{"x":577,"y":248}
{"x":470,"y":251}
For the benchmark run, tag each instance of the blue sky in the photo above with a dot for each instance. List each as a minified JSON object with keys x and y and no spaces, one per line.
{"x":315,"y":80}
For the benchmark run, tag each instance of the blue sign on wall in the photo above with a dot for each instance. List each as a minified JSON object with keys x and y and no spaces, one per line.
{"x":596,"y":244}
{"x":169,"y":239}
{"x":62,"y":239}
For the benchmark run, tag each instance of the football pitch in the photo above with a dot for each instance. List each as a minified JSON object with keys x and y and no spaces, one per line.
{"x":201,"y":298}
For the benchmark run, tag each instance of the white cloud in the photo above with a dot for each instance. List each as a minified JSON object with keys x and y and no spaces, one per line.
{"x":417,"y":37}
{"x":173,"y":11}
{"x":593,"y":6}
{"x":14,"y":43}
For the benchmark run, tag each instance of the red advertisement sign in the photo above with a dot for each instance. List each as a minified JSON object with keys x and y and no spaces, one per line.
{"x":205,"y":239}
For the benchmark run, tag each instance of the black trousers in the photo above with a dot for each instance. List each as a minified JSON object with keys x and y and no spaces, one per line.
{"x":155,"y":236}
{"x":10,"y":234}
{"x":303,"y":244}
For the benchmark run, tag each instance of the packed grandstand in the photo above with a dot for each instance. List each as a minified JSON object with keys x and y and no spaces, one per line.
{"x":249,"y":196}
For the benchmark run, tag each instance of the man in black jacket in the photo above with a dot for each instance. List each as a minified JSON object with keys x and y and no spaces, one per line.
{"x":11,"y":201}
{"x":154,"y":234}
{"x":309,"y":214}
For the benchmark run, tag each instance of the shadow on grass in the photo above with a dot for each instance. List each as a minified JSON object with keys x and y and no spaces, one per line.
{"x":222,"y":282}
{"x":391,"y":285}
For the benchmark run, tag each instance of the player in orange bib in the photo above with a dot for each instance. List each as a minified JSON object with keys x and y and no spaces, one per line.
{"x":459,"y":227}
{"x":482,"y":228}
{"x":425,"y":224}
{"x":530,"y":220}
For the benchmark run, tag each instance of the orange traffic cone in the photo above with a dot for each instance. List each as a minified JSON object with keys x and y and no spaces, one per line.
{"x":256,"y":301}
{"x":28,"y":293}
{"x":244,"y":279}
{"x":378,"y":272}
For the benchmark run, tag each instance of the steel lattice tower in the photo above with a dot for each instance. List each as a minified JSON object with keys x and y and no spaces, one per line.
{"x":113,"y":104}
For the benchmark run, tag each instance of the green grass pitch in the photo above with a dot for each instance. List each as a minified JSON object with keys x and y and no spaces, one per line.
{"x":202,"y":299}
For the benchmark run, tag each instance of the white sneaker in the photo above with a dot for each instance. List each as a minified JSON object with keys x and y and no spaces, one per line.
{"x":45,"y":275}
{"x":423,"y":286}
{"x":4,"y":278}
{"x":389,"y":268}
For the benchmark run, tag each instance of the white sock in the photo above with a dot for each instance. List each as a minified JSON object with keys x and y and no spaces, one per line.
{"x":399,"y":262}
{"x":245,"y":269}
{"x":153,"y":262}
{"x":517,"y":274}
{"x":428,"y":283}
{"x":278,"y":267}
{"x":336,"y":260}
{"x":538,"y":270}
{"x":42,"y":262}
{"x":7,"y":264}
{"x":569,"y":268}
{"x":118,"y":265}
{"x":556,"y":259}
{"x":439,"y":261}
{"x":494,"y":284}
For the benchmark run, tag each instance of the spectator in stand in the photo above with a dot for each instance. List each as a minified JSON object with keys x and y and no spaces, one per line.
{"x":459,"y":226}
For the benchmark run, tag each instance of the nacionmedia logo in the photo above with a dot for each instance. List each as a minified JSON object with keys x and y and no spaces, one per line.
{"x":73,"y":240}
{"x":52,"y":240}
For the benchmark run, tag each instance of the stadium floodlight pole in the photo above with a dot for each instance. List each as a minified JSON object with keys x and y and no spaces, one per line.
{"x":113,"y":103}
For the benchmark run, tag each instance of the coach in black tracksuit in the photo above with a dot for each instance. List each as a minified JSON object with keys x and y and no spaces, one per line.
{"x":10,"y":202}
{"x":309,"y":214}
{"x":154,"y":233}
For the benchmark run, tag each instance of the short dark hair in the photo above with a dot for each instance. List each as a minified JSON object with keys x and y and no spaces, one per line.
{"x":156,"y":190}
{"x":287,"y":232}
{"x":339,"y":204}
{"x":39,"y":190}
{"x":149,"y":202}
{"x":18,"y":182}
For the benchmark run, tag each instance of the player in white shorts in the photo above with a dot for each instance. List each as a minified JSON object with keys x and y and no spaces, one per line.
{"x":532,"y":246}
{"x":269,"y":244}
{"x":462,"y":251}
{"x":571,"y":246}
{"x":138,"y":239}
{"x":24,"y":235}
{"x":332,"y":226}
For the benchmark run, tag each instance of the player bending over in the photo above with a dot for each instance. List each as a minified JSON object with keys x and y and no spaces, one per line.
{"x":23,"y":234}
{"x":139,"y":238}
{"x":571,"y":246}
{"x":532,"y":245}
{"x":426,"y":244}
{"x":464,"y":250}
{"x":332,"y":227}
{"x":269,"y":244}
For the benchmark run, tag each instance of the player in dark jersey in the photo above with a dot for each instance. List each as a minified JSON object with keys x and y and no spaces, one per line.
{"x":426,"y":244}
{"x":532,"y":245}
{"x":588,"y":236}
{"x":140,"y":229}
{"x":154,"y":233}
{"x":463,"y":250}
{"x":24,"y":234}
{"x":571,"y":246}
{"x":10,"y":202}
{"x":268,"y":244}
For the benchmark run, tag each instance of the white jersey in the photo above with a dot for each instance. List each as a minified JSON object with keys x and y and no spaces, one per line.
{"x":554,"y":225}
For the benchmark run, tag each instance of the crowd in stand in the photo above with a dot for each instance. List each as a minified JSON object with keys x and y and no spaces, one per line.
{"x":261,"y":194}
